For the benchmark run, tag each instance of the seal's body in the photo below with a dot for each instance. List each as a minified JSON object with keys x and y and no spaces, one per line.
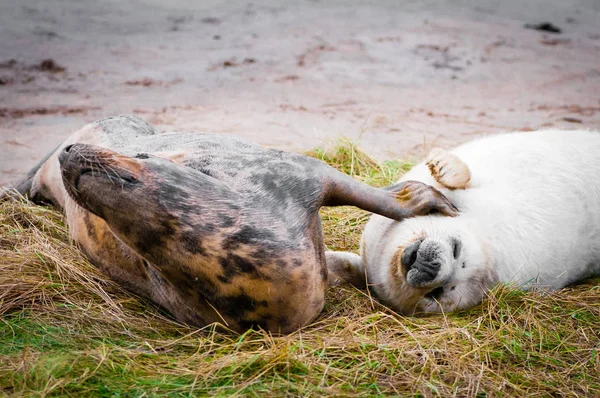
{"x":210,"y":227}
{"x":529,"y":215}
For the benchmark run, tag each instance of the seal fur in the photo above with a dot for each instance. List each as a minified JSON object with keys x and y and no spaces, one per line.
{"x":529,"y":216}
{"x":210,"y":227}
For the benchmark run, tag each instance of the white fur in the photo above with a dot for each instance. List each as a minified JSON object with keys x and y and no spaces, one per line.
{"x":530,"y":215}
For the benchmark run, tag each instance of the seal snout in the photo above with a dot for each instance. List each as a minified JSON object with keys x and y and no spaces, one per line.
{"x":63,"y":156}
{"x":69,"y":166}
{"x":77,"y":160}
{"x":91,"y":173}
{"x":74,"y":156}
{"x":423,"y":260}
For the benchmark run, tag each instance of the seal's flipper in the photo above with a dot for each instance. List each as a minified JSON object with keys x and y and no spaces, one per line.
{"x":345,"y":267}
{"x":23,"y":188}
{"x":399,"y":201}
{"x":448,"y":169}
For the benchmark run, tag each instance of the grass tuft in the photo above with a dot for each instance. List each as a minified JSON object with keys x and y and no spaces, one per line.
{"x":66,"y":330}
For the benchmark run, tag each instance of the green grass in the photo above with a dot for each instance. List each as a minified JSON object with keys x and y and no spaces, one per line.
{"x":65,"y":330}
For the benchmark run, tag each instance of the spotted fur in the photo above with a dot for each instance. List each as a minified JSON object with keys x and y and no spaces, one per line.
{"x":210,"y":227}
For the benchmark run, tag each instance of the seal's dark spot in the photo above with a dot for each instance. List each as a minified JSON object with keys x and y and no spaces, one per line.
{"x":304,"y":277}
{"x":192,"y":244}
{"x":249,"y":235}
{"x":226,"y":221}
{"x":235,"y":265}
{"x":262,"y":254}
{"x":237,"y":306}
{"x":150,"y":239}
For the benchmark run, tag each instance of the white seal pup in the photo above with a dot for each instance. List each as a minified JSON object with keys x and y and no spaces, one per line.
{"x":529,"y":208}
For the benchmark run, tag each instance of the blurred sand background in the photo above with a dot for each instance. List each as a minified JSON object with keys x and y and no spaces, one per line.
{"x":400,"y":75}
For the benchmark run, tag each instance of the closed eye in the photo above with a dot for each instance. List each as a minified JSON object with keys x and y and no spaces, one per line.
{"x":456,"y":248}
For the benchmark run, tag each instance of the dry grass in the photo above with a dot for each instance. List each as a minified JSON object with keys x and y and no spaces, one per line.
{"x":66,"y":330}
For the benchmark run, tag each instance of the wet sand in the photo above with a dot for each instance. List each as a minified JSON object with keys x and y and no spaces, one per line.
{"x":399,"y":76}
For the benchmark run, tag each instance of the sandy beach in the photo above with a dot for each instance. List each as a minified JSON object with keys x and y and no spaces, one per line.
{"x":399,"y":76}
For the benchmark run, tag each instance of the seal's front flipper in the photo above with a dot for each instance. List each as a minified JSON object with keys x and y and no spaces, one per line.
{"x":399,"y":201}
{"x":345,"y":267}
{"x":24,"y":187}
{"x":448,"y":169}
{"x":419,"y":199}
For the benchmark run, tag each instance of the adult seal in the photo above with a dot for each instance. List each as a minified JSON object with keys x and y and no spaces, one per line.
{"x":529,"y":216}
{"x":210,"y":227}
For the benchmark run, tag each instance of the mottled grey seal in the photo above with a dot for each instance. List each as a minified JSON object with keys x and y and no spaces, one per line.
{"x":208,"y":226}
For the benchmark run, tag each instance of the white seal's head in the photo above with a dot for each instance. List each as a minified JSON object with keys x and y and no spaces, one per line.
{"x":435,"y":264}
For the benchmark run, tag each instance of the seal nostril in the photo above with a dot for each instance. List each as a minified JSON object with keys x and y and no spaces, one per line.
{"x":68,"y":148}
{"x":410,"y":254}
